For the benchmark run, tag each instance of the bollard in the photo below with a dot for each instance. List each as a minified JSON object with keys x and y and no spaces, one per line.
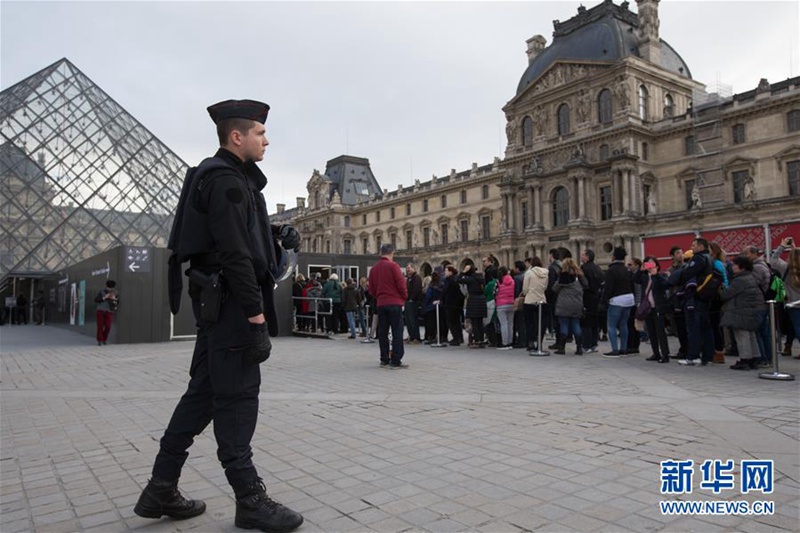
{"x":439,"y":343}
{"x":538,"y":351}
{"x":776,"y":374}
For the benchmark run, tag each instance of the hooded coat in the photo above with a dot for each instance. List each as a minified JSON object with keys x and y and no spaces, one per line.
{"x":743,"y":303}
{"x":534,"y":284}
{"x":570,"y":295}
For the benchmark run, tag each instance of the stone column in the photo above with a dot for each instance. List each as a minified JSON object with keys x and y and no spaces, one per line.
{"x":582,"y":198}
{"x":512,"y":216}
{"x":626,"y":194}
{"x":537,"y":205}
{"x":531,"y":207}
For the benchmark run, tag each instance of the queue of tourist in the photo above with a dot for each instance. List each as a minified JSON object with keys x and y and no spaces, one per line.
{"x":715,"y":303}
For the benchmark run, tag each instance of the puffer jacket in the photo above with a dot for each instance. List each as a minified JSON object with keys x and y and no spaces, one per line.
{"x":744,"y":303}
{"x":570,"y":295}
{"x":505,"y":291}
{"x":534,"y":285}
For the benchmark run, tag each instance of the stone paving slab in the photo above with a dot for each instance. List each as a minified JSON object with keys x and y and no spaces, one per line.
{"x":463,"y":440}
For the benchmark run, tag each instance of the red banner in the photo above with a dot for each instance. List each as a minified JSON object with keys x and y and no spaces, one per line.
{"x":659,"y":246}
{"x":732,"y":241}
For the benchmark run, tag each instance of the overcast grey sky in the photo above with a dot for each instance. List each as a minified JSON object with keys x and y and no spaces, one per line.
{"x":416,"y":87}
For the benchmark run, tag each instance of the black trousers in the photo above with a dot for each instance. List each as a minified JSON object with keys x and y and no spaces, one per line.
{"x":222,"y":388}
{"x":453,"y":315}
{"x":532,"y":324}
{"x":657,"y":330}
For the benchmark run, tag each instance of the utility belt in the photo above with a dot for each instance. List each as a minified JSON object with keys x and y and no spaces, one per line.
{"x":212,"y":293}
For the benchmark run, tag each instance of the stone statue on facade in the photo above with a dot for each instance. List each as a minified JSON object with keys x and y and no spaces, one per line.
{"x":697,"y":201}
{"x":623,"y":93}
{"x":651,"y":203}
{"x":511,"y":130}
{"x":582,"y":109}
{"x":749,"y":189}
{"x":541,"y":120}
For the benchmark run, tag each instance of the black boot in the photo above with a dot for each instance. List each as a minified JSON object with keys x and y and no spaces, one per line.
{"x":653,"y":357}
{"x":741,"y":364}
{"x":256,"y":510}
{"x":664,"y":359}
{"x":162,"y":498}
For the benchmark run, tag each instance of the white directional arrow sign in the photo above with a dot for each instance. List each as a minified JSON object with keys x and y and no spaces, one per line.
{"x":133,"y":267}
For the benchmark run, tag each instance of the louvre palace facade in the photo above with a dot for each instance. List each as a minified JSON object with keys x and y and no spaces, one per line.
{"x":609,"y":141}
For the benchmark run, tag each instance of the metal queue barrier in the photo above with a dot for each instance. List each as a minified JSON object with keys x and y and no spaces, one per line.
{"x":776,"y":374}
{"x":439,"y":343}
{"x":317,"y":312}
{"x":538,"y":351}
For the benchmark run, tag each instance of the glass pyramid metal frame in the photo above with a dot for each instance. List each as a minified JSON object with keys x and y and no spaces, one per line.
{"x":78,"y":175}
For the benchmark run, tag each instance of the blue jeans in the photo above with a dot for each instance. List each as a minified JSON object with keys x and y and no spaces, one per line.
{"x":794,"y":316}
{"x":391,"y":317}
{"x":351,"y":322}
{"x":698,"y":329}
{"x":570,"y":325}
{"x":362,"y":319}
{"x":764,"y":338}
{"x":618,"y":326}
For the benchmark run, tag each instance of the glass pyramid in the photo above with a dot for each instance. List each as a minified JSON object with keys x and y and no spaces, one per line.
{"x":78,"y":174}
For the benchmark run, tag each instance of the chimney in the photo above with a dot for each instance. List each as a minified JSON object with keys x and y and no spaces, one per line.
{"x":649,"y":42}
{"x":301,"y":202}
{"x":280,"y":208}
{"x":535,"y":45}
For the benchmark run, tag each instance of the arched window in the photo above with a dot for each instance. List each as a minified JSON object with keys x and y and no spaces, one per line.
{"x":669,"y":106}
{"x":563,"y":119}
{"x":605,"y":111}
{"x":560,"y":207}
{"x":643,"y":102}
{"x":527,"y":131}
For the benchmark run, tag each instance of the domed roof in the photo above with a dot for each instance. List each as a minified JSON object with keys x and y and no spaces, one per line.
{"x":606,"y":32}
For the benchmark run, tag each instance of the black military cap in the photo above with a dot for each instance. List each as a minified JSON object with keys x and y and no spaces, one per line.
{"x":249,"y":109}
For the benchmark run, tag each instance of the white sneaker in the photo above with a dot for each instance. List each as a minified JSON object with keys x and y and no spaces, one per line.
{"x":687,"y":362}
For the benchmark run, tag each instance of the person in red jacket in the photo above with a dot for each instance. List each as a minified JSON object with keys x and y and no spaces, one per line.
{"x":388,"y":285}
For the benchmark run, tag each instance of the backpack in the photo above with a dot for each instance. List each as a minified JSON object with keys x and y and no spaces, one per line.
{"x":708,"y":289}
{"x":776,"y":290}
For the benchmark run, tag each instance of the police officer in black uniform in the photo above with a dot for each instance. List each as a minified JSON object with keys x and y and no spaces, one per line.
{"x":222,"y":229}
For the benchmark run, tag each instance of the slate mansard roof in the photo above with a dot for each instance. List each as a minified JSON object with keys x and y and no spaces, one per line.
{"x":606,"y":32}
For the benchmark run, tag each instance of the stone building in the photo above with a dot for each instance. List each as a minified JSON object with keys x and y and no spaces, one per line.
{"x":610,"y":141}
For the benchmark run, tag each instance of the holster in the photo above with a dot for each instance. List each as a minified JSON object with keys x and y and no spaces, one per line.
{"x":211,"y":294}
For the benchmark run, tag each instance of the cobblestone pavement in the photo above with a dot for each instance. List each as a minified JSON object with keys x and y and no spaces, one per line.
{"x":463,"y":440}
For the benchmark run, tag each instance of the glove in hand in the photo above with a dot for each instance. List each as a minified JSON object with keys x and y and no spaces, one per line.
{"x":262,"y":346}
{"x":290,"y":237}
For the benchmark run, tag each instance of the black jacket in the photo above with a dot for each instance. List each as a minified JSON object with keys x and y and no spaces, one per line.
{"x":594,"y":280}
{"x":476,"y":300}
{"x":221,"y":223}
{"x":618,"y":281}
{"x":452,"y":296}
